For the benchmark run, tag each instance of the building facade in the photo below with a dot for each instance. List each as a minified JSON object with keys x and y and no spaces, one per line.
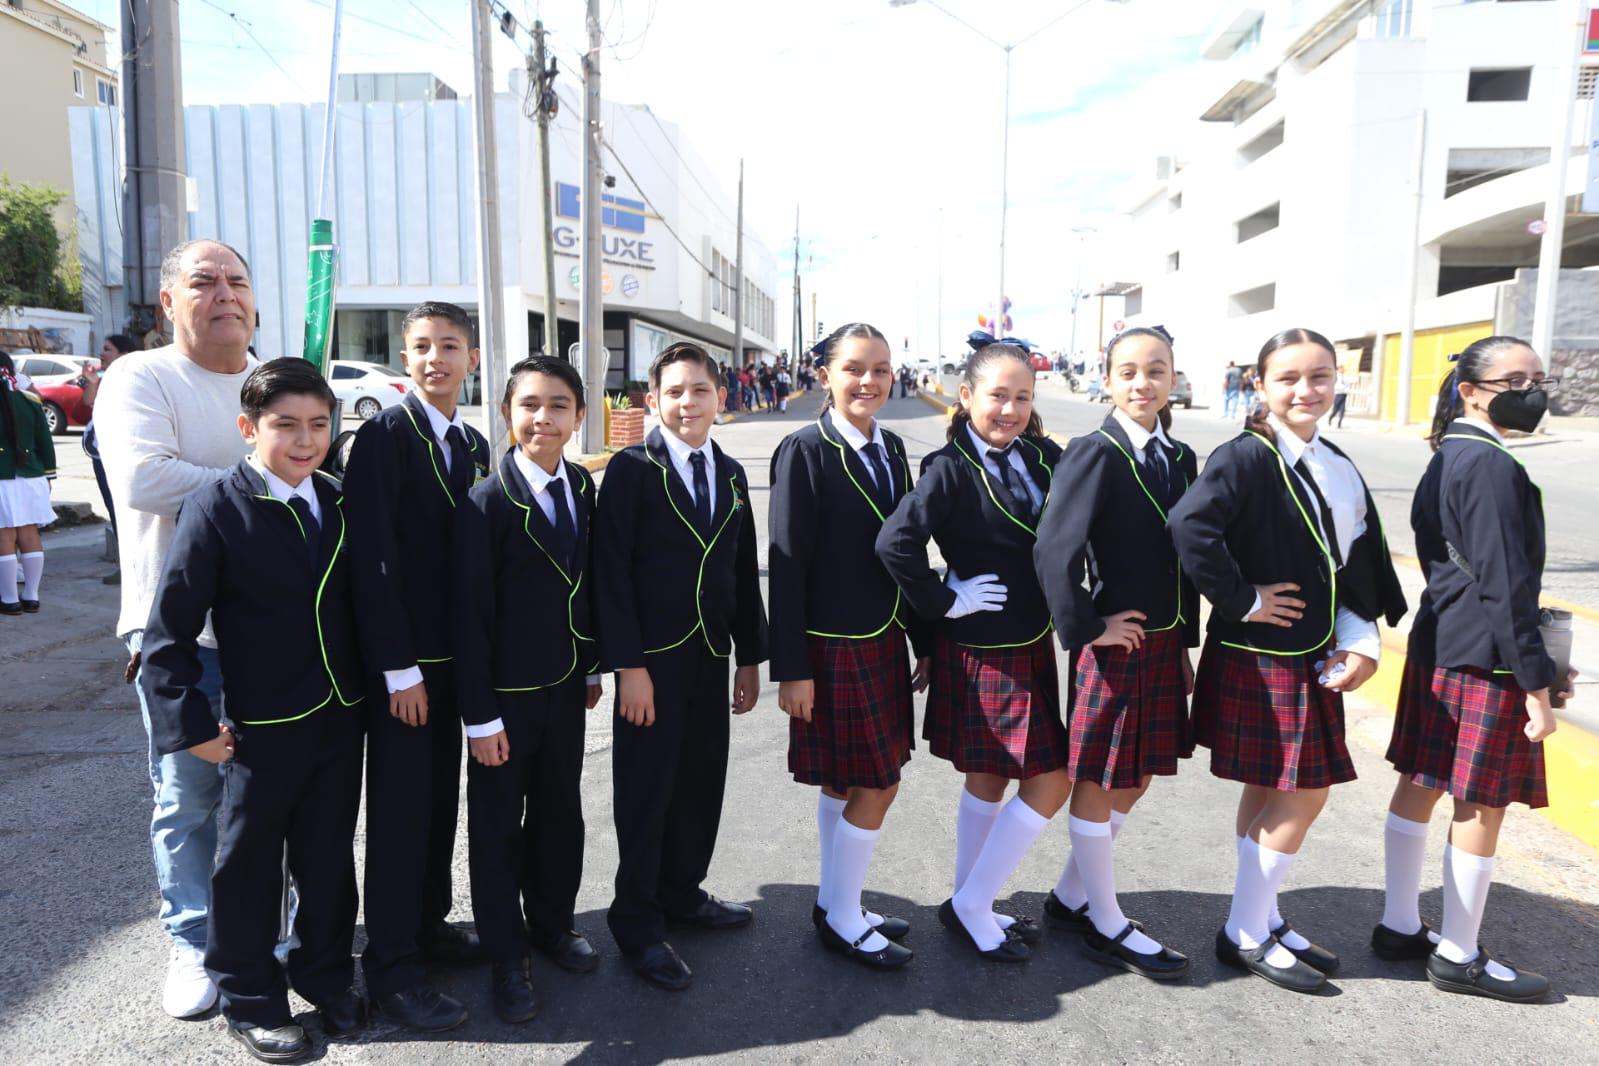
{"x":1341,"y":138}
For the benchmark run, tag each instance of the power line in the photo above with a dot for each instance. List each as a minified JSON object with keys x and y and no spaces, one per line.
{"x":244,"y":27}
{"x":448,"y":33}
{"x":651,"y":205}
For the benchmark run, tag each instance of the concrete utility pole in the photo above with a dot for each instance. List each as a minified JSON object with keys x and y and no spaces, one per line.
{"x":546,"y":100}
{"x":738,"y":273}
{"x":490,"y":287}
{"x":1569,"y":41}
{"x":799,"y":328}
{"x":596,"y":360}
{"x":1407,"y":338}
{"x":155,"y":202}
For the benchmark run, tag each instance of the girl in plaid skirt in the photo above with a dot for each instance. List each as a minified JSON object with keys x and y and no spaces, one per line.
{"x":1465,"y":724}
{"x":838,"y":630}
{"x":1283,"y":538}
{"x":1131,"y":626}
{"x":994,"y":705}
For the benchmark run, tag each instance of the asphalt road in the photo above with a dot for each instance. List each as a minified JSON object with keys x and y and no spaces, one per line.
{"x":82,"y":956}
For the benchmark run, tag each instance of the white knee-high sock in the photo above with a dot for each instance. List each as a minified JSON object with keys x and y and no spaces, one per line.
{"x":1292,"y":939}
{"x":1467,"y":878}
{"x":852,"y":857}
{"x":1260,"y":871}
{"x":32,"y":571}
{"x":8,"y":579}
{"x":1014,"y":832}
{"x":1404,"y":852}
{"x":972,"y":826}
{"x":1069,"y":889}
{"x":828,"y":812}
{"x":1091,"y":847}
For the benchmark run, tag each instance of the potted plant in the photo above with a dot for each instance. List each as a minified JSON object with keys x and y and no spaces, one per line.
{"x":624,"y":423}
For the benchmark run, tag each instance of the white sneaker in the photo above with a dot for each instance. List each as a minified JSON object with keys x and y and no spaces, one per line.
{"x":189,"y":990}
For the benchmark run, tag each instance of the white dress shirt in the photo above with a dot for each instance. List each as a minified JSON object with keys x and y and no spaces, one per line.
{"x":1137,"y":435}
{"x":1485,"y":426}
{"x":679,"y":451}
{"x":858,"y":442}
{"x":280,"y":489}
{"x":1014,"y":454}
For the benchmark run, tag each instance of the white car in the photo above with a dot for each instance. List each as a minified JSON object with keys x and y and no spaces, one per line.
{"x":50,"y":369}
{"x":366,"y":388}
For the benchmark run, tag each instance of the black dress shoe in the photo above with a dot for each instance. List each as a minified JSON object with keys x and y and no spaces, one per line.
{"x":1300,"y":977}
{"x":30,"y":606}
{"x":285,"y":1043}
{"x":342,"y":1015}
{"x":450,"y":945}
{"x":571,"y":951}
{"x":660,"y":965}
{"x":1060,"y":916}
{"x":1011,"y":949}
{"x":514,"y":1001}
{"x":10,"y":608}
{"x":1472,"y":979}
{"x":1400,"y":947}
{"x":1026,"y":930}
{"x":890,"y":956}
{"x":1312,"y":955}
{"x":1162,"y":965}
{"x":421,"y":1008}
{"x":893,"y":928}
{"x":713,"y":913}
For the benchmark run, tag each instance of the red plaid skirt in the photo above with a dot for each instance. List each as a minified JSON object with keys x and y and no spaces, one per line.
{"x":862,"y":727}
{"x":1129,"y":713}
{"x":996,"y":710}
{"x":1459,"y":729}
{"x":1267,"y":721}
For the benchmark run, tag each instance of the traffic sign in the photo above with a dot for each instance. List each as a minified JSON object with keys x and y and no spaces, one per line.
{"x":1118,"y":325}
{"x":1537,"y":227}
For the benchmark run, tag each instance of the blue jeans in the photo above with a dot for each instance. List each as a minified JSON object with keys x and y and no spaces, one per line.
{"x":1229,"y":406}
{"x":183,"y":827}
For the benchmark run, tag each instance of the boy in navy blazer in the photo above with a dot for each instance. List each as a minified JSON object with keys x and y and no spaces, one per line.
{"x":677,"y":591}
{"x":264,"y":551}
{"x":409,"y":469}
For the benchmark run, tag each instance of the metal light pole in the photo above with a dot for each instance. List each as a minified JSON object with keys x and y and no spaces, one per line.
{"x":1077,"y":291}
{"x":1545,"y":306}
{"x":591,"y":315}
{"x":490,"y":287}
{"x":552,"y":320}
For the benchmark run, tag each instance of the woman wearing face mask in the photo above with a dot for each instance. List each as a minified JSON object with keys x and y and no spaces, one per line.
{"x":1474,"y":705}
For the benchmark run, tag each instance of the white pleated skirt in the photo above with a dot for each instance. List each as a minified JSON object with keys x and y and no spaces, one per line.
{"x":25,"y":501}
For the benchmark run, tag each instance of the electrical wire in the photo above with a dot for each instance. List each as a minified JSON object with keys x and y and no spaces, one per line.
{"x":244,"y":27}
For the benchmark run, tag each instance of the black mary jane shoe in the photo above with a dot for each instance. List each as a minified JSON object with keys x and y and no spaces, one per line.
{"x":1162,"y":965}
{"x":30,"y":606}
{"x":451,"y":945}
{"x":343,"y":1015}
{"x":1300,"y":977}
{"x":890,"y":956}
{"x":893,"y":928}
{"x":512,"y":986}
{"x":1011,"y":949}
{"x":1313,"y":955}
{"x":11,"y":608}
{"x":1060,"y":916}
{"x":283,"y":1043}
{"x":660,"y":965}
{"x":1401,"y":947}
{"x":1026,"y":930}
{"x":713,"y":913}
{"x":571,"y":951}
{"x":1473,"y":979}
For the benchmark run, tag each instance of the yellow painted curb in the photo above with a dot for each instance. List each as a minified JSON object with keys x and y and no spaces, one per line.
{"x":591,"y":463}
{"x":938,"y":405}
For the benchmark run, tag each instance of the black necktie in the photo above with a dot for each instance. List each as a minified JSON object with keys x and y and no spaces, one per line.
{"x":1328,"y":530}
{"x":460,"y":461}
{"x":308,"y":526}
{"x":565,"y":528}
{"x":1013,"y":483}
{"x":702,"y":491}
{"x":1159,"y":472}
{"x":884,"y":480}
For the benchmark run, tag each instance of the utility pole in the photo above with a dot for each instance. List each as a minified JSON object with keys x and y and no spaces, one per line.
{"x":738,"y":274}
{"x":1569,"y":65}
{"x":938,"y":323}
{"x":155,"y":201}
{"x":546,"y":103}
{"x":1004,"y":196}
{"x":816,"y":327}
{"x":591,"y":312}
{"x":1407,"y":338}
{"x":490,"y":288}
{"x":799,"y":326}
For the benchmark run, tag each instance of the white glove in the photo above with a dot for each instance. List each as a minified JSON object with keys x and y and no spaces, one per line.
{"x":980,"y":593}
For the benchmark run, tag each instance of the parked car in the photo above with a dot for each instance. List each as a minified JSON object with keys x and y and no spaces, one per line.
{"x":366,"y":388}
{"x":51,"y":369}
{"x":63,"y":404}
{"x":1182,"y":392}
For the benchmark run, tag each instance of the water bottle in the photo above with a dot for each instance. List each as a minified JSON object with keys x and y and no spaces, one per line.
{"x":1554,"y":625}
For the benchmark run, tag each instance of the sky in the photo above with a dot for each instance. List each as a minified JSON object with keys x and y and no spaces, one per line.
{"x":883,"y":123}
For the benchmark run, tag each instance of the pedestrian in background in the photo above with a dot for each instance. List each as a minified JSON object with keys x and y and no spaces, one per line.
{"x":114,"y":347}
{"x":1475,"y":701}
{"x":1247,"y":383}
{"x":27,"y":465}
{"x":1281,"y":535}
{"x":1340,"y":399}
{"x":1232,"y":384}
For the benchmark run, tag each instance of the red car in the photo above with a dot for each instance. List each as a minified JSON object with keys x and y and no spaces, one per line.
{"x":63,"y":405}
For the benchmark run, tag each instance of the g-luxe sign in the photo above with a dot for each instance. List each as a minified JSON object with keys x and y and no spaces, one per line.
{"x":617,"y":213}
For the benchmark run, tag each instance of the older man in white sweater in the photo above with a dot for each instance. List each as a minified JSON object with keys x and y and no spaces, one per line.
{"x":167,"y":425}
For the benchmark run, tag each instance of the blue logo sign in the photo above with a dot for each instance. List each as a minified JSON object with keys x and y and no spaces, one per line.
{"x":630,"y":285}
{"x":617,"y":212}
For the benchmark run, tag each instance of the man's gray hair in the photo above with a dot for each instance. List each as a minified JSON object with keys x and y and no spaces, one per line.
{"x":172,"y":262}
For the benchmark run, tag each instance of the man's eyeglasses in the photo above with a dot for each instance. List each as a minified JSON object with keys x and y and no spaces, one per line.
{"x":1521,"y":383}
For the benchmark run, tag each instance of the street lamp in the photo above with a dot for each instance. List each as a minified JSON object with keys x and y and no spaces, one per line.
{"x":1004,"y":162}
{"x":1077,"y":293}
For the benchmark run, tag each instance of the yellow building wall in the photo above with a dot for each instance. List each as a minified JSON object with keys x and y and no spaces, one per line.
{"x":1428,"y":367}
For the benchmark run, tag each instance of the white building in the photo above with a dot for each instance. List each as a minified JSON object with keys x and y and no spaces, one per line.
{"x":1298,"y":206}
{"x":404,"y":219}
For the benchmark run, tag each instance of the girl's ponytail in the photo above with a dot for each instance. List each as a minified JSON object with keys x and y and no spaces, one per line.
{"x":1447,"y":407}
{"x":1472,"y":364}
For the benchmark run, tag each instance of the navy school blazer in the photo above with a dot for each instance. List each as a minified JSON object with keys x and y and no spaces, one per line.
{"x":1249,"y":521}
{"x":402,"y":519}
{"x":285,"y":628}
{"x":1107,"y":522}
{"x":1481,"y":604}
{"x":659,"y":580}
{"x":959,"y":505}
{"x":523,"y":618}
{"x":823,"y":573}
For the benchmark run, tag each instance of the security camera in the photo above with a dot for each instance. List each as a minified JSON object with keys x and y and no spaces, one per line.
{"x":610,"y":181}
